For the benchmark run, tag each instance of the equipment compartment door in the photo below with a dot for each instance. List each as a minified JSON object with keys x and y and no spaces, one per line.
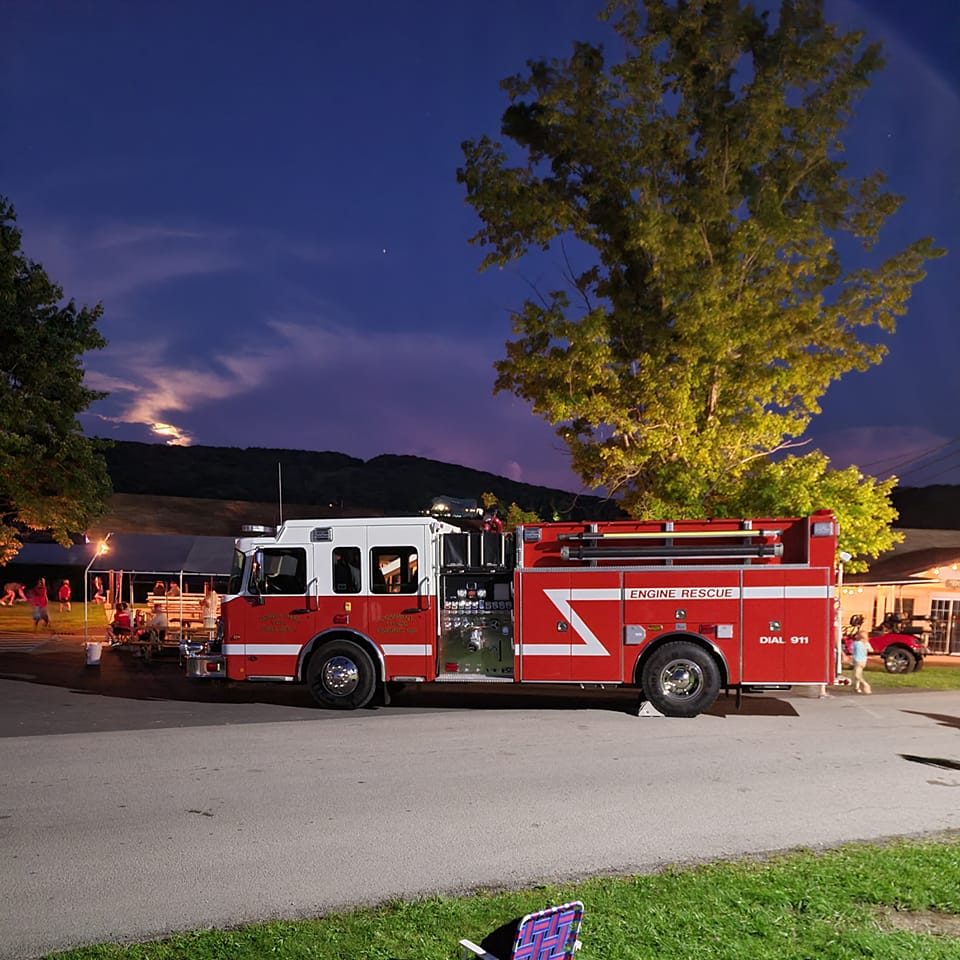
{"x":543,"y":635}
{"x":786,"y":626}
{"x":595,"y":612}
{"x":570,"y":627}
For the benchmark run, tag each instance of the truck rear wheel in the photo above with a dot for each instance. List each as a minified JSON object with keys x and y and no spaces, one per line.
{"x":681,"y":679}
{"x":899,"y":660}
{"x":341,"y":675}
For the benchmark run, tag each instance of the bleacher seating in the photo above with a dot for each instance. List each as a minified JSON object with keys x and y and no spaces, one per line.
{"x":184,"y":611}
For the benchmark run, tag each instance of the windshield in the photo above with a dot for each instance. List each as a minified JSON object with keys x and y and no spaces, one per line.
{"x":236,"y":573}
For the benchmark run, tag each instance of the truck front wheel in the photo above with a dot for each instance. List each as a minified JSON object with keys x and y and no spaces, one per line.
{"x":341,"y":675}
{"x":681,"y":679}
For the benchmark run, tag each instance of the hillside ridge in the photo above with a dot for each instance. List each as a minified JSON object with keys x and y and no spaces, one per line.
{"x":329,"y":483}
{"x":389,"y":484}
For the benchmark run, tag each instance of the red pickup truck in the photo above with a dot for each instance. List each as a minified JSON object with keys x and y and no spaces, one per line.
{"x":897,"y":640}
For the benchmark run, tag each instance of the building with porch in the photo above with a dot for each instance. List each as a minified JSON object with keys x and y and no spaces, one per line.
{"x":919,"y":579}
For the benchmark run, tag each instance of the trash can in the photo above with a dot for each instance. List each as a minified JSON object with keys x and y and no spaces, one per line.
{"x":92,"y":649}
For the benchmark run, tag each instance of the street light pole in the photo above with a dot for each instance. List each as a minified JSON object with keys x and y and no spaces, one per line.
{"x":99,"y":550}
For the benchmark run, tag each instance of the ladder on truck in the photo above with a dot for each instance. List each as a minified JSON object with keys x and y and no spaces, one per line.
{"x":593,"y":545}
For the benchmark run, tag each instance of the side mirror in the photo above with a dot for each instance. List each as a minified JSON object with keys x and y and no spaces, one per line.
{"x":254,"y":585}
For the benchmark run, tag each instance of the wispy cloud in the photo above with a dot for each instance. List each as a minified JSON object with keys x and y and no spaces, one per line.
{"x":112,"y":261}
{"x":134,"y":234}
{"x":109,"y":262}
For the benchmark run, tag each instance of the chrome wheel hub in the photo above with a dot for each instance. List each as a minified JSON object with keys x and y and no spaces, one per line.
{"x":681,"y":679}
{"x":340,"y":676}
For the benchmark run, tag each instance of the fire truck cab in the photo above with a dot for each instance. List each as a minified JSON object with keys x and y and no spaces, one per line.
{"x":677,"y":609}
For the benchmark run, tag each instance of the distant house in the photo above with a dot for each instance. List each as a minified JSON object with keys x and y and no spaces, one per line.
{"x":454,"y":508}
{"x":920,"y":578}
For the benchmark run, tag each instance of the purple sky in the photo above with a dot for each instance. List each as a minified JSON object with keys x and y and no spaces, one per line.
{"x":264,"y":199}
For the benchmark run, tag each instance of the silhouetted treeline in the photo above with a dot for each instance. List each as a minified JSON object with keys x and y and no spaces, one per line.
{"x":387,"y":484}
{"x":928,"y":508}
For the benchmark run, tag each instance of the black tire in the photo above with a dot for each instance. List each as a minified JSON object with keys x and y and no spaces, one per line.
{"x":899,"y":660}
{"x":681,"y":679}
{"x":341,"y":675}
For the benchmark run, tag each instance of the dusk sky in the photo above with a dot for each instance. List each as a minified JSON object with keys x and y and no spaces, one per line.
{"x":264,"y":198}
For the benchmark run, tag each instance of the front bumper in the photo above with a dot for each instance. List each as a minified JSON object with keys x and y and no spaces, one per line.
{"x":200,"y":664}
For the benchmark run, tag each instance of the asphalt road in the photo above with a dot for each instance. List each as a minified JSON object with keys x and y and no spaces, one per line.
{"x":130,"y":815}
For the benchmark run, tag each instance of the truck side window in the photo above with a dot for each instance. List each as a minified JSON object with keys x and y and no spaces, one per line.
{"x":285,"y":571}
{"x":393,"y":570}
{"x":346,"y":570}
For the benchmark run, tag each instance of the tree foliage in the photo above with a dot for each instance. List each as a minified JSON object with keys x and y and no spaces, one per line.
{"x":513,"y":514}
{"x":716,"y":253}
{"x":51,"y":476}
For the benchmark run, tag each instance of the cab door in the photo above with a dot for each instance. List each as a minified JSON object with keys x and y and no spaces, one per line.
{"x":400,"y":603}
{"x":340,"y":581}
{"x":275,"y":620}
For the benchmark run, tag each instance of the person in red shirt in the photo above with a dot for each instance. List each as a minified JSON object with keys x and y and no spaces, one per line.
{"x":63,"y":595}
{"x":38,"y":597}
{"x":492,"y":522}
{"x":121,"y":627}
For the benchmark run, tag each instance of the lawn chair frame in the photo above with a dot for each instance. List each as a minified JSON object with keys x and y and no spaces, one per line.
{"x":550,"y":934}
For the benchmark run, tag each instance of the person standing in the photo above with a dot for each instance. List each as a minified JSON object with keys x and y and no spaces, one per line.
{"x":492,"y":522}
{"x":209,"y":607}
{"x":63,"y":596}
{"x":860,"y":650}
{"x":39,"y":599}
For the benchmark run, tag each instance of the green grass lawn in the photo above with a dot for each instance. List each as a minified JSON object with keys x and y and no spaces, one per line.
{"x":926,"y":678}
{"x":885,"y":902}
{"x":20,"y":617}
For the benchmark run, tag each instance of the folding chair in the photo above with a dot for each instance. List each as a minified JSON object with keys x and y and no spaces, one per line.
{"x":550,"y":934}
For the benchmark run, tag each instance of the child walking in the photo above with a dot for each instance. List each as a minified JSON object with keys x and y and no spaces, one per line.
{"x":860,"y":648}
{"x":38,"y":597}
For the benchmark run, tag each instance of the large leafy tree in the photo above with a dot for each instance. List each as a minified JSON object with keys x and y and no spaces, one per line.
{"x":715,"y":250}
{"x":51,"y":476}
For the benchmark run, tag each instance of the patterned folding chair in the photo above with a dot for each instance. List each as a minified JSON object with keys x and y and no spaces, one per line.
{"x":550,"y":934}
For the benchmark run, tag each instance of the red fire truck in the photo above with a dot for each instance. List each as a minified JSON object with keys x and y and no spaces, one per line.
{"x":676,"y":609}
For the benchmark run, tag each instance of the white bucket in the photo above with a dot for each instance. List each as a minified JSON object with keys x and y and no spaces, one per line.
{"x":92,"y":650}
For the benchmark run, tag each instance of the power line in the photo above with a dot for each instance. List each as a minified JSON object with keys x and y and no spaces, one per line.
{"x":955,"y":466}
{"x":925,"y":466}
{"x":929,"y":463}
{"x":910,"y":458}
